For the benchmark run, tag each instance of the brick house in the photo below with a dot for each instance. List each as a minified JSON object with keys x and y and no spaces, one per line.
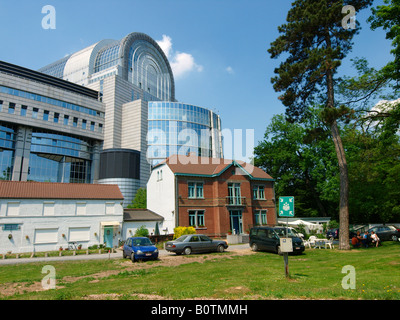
{"x":216,"y":196}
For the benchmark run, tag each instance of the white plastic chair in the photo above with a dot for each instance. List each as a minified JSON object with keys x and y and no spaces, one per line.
{"x":310,"y":241}
{"x":329,"y":243}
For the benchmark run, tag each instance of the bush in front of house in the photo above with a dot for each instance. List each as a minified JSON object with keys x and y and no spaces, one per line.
{"x":179,"y":231}
{"x":142,"y":232}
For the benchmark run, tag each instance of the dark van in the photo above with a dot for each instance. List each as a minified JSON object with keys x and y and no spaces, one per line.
{"x":268,"y":239}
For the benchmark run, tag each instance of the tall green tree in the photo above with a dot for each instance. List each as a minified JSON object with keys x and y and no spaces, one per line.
{"x":140,"y":200}
{"x":316,"y":43}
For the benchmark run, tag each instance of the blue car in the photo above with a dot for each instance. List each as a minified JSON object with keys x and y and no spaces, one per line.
{"x":139,"y":248}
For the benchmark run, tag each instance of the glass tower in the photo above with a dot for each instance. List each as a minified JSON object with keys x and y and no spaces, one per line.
{"x":179,"y":128}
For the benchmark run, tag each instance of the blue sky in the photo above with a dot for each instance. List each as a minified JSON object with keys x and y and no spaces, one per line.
{"x":218,"y":48}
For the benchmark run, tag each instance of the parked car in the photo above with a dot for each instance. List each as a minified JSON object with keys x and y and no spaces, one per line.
{"x":386,"y":233}
{"x":139,"y":248}
{"x":268,"y":239}
{"x":293,"y":232}
{"x":195,"y":243}
{"x":334,"y":233}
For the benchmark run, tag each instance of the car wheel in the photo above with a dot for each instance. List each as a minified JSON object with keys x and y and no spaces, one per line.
{"x":187,"y":251}
{"x":123,"y":254}
{"x":254,"y":247}
{"x":394,"y":238}
{"x":278,"y":250}
{"x":220,"y":248}
{"x":133,"y":257}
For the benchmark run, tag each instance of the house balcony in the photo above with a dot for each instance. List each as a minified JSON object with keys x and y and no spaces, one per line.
{"x":235,"y":201}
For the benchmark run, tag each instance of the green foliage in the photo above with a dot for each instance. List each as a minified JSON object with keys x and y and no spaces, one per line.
{"x":316,"y":43}
{"x":142,"y":232}
{"x":387,"y":17}
{"x":140,"y":200}
{"x":304,"y":165}
{"x":180,"y":231}
{"x":333,"y":224}
{"x":374,"y":169}
{"x":303,"y":162}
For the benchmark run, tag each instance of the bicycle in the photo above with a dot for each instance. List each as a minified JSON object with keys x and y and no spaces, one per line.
{"x":72,"y":246}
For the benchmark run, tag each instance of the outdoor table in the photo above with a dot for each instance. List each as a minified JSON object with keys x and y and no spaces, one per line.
{"x":320,"y":242}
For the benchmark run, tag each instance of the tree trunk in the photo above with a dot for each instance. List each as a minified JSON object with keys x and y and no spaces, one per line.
{"x":344,"y":243}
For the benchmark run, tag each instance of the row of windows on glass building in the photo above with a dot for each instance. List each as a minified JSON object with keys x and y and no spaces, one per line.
{"x":56,"y":118}
{"x":53,"y":157}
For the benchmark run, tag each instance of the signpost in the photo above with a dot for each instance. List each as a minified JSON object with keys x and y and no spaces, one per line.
{"x":286,"y":209}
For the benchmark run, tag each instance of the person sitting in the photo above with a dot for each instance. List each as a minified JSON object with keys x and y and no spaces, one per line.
{"x":365,"y":239}
{"x":355,"y":242}
{"x":375,"y":238}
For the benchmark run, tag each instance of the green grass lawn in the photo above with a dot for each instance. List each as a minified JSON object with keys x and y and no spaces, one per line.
{"x":316,"y":274}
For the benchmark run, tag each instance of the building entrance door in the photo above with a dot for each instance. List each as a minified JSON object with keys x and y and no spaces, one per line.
{"x":108,"y":236}
{"x":236,"y":221}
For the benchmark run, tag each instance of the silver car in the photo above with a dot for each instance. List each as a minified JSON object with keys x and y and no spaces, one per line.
{"x":189,"y":243}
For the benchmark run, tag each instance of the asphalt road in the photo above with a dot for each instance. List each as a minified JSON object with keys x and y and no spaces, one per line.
{"x":115,"y":255}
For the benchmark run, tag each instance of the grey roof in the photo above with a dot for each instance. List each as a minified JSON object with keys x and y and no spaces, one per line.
{"x":141,"y":215}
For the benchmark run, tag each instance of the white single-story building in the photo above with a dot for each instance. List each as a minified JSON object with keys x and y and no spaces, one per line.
{"x":136,"y":218}
{"x":43,"y":216}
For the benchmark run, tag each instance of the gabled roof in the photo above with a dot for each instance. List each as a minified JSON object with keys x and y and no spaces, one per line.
{"x":50,"y":190}
{"x":141,"y":215}
{"x":211,"y":167}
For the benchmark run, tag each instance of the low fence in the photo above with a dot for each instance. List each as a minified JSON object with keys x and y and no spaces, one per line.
{"x":161,"y":238}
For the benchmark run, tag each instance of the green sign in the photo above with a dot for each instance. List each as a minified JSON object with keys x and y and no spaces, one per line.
{"x":286,"y":207}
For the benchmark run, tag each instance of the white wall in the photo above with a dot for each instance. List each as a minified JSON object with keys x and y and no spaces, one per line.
{"x":129,"y":228}
{"x":45,"y":225}
{"x":161,"y":196}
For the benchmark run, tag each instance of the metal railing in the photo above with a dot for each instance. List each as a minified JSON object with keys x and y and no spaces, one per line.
{"x":235,"y":201}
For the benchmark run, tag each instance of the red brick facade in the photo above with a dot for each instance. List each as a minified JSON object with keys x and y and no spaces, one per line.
{"x":219,"y":215}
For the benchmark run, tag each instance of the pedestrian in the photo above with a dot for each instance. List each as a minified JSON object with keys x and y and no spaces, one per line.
{"x":375,"y":238}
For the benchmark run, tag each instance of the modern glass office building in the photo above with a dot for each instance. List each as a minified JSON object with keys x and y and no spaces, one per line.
{"x":50,"y":130}
{"x":123,"y":91}
{"x":179,"y":128}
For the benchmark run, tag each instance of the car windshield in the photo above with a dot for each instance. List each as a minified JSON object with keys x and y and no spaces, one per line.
{"x":281,"y":232}
{"x":293,"y":232}
{"x":142,"y":242}
{"x":181,"y":238}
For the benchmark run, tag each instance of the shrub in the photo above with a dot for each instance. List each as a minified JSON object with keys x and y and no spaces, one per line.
{"x":179,"y":231}
{"x":142,"y":232}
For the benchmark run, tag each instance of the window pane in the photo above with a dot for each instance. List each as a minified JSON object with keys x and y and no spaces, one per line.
{"x":199,"y":190}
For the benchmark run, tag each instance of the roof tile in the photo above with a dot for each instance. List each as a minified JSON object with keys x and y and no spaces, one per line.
{"x":51,"y":190}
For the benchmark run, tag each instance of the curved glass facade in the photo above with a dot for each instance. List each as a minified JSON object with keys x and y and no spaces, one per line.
{"x":107,"y":58}
{"x":148,"y":70}
{"x":7,"y":148}
{"x":178,"y":128}
{"x":57,"y":68}
{"x":136,"y":58}
{"x":59,"y":158}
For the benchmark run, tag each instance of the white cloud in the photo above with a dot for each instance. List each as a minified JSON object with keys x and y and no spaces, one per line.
{"x":181,"y":62}
{"x":166,"y":45}
{"x":230,"y":70}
